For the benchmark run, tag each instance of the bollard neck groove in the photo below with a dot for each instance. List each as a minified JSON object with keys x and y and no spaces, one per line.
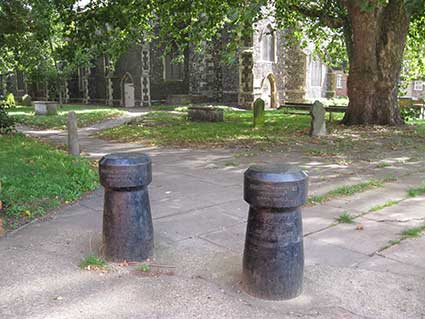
{"x":125,"y":189}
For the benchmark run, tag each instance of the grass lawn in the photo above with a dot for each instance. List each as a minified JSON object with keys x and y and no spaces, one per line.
{"x":281,"y":131}
{"x":173,"y":129}
{"x":86,"y":115}
{"x":36,"y":177}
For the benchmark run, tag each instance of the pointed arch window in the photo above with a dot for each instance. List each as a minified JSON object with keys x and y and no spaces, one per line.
{"x":173,"y":71}
{"x":316,"y":72}
{"x":268,"y":45}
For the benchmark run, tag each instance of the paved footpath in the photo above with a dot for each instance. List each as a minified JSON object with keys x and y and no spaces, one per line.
{"x":199,"y":221}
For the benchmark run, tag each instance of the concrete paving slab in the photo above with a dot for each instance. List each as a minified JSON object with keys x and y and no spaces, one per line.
{"x":379,"y":263}
{"x":192,"y":224}
{"x":410,"y":251}
{"x":238,"y":208}
{"x":409,"y":213}
{"x":232,"y":237}
{"x":317,"y":252}
{"x":319,"y":217}
{"x":372,"y":238}
{"x":364,"y":201}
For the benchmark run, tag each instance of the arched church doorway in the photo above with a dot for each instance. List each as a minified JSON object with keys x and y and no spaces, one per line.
{"x":269,"y":92}
{"x":127,"y":87}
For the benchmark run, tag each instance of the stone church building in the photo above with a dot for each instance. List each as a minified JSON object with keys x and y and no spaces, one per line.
{"x":267,"y":67}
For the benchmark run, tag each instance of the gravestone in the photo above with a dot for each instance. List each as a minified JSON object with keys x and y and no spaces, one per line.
{"x":73,"y":145}
{"x":26,"y":100}
{"x":205,"y":114}
{"x":318,"y":121}
{"x":273,"y":260}
{"x":45,"y":107}
{"x":259,"y":113}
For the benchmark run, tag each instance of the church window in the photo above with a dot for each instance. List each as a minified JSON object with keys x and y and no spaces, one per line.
{"x":268,"y":45}
{"x":173,"y":71}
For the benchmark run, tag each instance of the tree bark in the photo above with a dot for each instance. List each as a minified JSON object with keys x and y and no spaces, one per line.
{"x":375,"y":42}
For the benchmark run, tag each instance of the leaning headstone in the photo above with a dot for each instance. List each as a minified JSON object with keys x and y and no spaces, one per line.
{"x":26,"y":100}
{"x":73,"y":145}
{"x":318,"y":121}
{"x":259,"y":113}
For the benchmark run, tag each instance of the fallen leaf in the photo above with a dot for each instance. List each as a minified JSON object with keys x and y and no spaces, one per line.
{"x":359,"y":227}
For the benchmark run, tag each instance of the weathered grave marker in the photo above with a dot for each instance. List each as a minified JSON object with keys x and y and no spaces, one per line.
{"x":318,"y":121}
{"x":259,"y":113}
{"x":127,"y":220}
{"x":45,"y":108}
{"x":205,"y":114}
{"x":26,"y":100}
{"x":73,"y":144}
{"x":273,"y":261}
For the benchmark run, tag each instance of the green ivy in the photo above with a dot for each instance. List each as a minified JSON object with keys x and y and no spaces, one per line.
{"x":7,"y":123}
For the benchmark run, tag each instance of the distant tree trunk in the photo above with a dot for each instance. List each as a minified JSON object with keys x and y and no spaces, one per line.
{"x":58,"y":79}
{"x":60,"y":93}
{"x":375,"y":42}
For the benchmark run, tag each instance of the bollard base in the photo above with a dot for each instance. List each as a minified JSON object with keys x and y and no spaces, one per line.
{"x":127,"y":225}
{"x":273,"y":262}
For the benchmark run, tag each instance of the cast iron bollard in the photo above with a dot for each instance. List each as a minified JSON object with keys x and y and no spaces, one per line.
{"x":273,"y":261}
{"x":127,"y":220}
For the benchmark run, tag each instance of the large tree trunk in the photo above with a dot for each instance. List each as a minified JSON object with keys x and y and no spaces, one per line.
{"x":375,"y":41}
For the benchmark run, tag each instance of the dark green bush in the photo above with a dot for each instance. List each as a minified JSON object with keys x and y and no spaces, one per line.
{"x":410,"y":112}
{"x":7,"y":123}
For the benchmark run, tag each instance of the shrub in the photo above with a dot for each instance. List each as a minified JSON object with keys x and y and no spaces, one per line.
{"x":410,"y":113}
{"x":10,"y":101}
{"x":7,"y":123}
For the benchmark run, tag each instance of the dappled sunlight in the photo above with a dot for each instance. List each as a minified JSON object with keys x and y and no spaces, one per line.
{"x":86,"y":115}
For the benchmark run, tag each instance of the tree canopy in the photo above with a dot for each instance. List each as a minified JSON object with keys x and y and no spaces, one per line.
{"x":371,"y":37}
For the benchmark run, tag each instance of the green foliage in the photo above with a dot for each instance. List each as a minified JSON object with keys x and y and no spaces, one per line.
{"x":9,"y":101}
{"x":144,"y":268}
{"x":36,"y":177}
{"x":7,"y":123}
{"x":348,"y":190}
{"x":86,"y":115}
{"x":37,"y":39}
{"x":416,"y":191}
{"x":345,"y":218}
{"x":92,"y":261}
{"x":408,"y":233}
{"x":410,"y":112}
{"x":385,"y":205}
{"x":412,"y":232}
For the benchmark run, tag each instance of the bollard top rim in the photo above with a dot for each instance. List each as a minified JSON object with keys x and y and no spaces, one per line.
{"x":276,"y":173}
{"x":125,"y":159}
